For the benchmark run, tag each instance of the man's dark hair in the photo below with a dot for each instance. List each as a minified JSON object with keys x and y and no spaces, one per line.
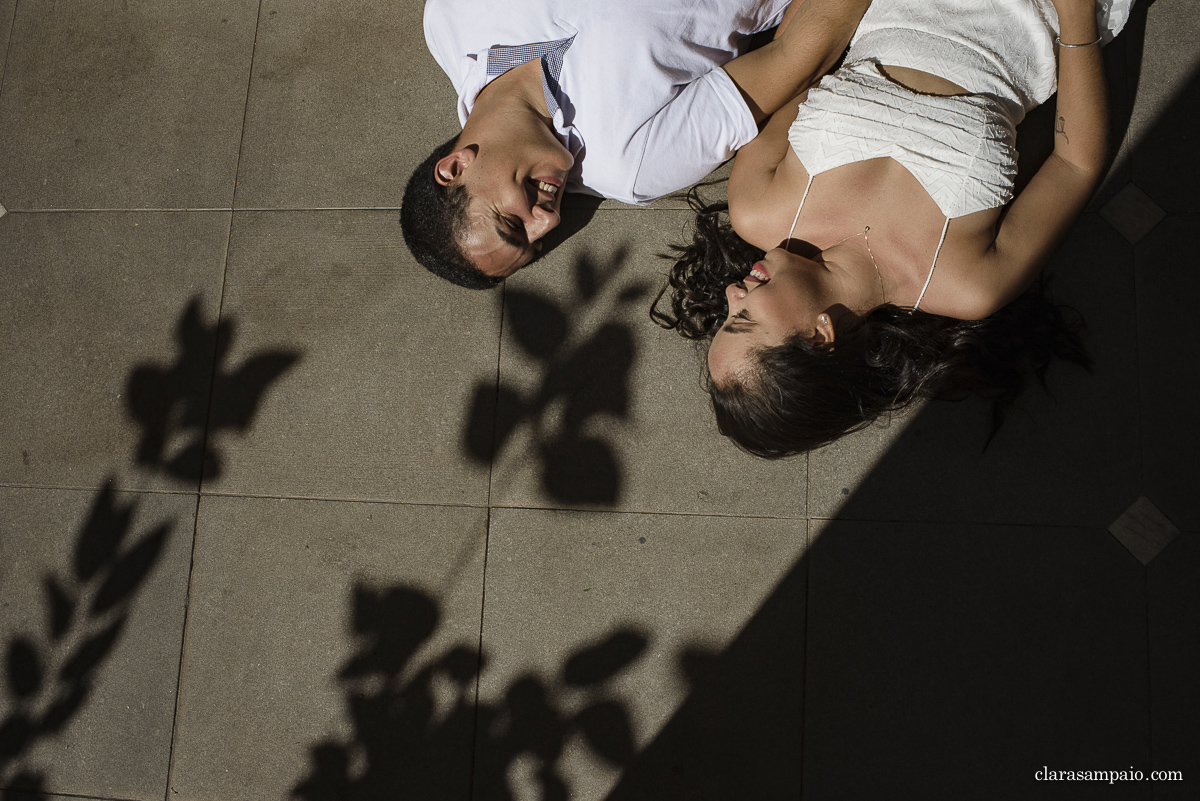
{"x":432,"y":218}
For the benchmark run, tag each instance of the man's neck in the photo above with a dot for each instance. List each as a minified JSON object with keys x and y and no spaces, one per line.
{"x":514,"y":94}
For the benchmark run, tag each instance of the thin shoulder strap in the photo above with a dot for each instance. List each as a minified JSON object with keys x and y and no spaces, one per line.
{"x":797,"y":217}
{"x":935,"y":258}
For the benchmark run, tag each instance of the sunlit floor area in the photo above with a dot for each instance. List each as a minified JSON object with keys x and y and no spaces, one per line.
{"x":284,"y":516}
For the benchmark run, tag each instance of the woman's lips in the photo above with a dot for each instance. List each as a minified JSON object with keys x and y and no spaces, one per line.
{"x":758,"y":274}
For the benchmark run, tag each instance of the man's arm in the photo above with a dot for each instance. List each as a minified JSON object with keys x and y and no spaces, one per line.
{"x":813,"y":37}
{"x":786,"y":19}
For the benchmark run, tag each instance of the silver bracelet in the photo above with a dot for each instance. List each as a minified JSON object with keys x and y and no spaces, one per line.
{"x":1061,"y":43}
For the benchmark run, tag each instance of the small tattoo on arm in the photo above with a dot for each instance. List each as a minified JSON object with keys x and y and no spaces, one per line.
{"x":1060,"y":127}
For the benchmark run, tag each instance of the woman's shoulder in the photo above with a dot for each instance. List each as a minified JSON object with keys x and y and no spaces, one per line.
{"x":763,"y":199}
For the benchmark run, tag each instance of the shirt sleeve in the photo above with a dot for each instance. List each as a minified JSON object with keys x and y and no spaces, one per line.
{"x":693,"y":134}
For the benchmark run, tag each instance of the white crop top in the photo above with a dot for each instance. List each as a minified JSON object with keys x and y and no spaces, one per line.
{"x":962,"y":149}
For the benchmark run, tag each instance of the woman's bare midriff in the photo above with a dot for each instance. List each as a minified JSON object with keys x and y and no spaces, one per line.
{"x":922,"y":82}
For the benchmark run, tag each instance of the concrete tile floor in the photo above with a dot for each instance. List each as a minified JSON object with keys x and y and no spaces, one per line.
{"x":133,"y":107}
{"x":281,"y":516}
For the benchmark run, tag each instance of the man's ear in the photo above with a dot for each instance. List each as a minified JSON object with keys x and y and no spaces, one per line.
{"x":450,"y":168}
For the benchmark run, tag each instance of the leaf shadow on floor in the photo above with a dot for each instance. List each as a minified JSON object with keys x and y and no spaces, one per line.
{"x":172,"y":404}
{"x":52,"y":671}
{"x":416,"y":721}
{"x":583,"y":383}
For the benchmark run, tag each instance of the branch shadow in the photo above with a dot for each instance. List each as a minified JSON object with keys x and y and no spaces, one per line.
{"x":416,"y":720}
{"x":584,"y":381}
{"x":578,"y":210}
{"x":50,"y":674}
{"x":739,"y":732}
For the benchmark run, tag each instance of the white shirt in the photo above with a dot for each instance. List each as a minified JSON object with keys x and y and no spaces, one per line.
{"x":644,"y":106}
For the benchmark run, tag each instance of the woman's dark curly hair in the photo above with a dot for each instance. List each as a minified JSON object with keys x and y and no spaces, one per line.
{"x":801,"y":395}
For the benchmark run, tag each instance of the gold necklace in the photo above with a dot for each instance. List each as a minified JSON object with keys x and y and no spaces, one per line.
{"x":867,"y":242}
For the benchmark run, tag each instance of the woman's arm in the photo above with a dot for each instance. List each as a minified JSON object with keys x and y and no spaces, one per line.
{"x":756,"y":198}
{"x":1042,"y":214}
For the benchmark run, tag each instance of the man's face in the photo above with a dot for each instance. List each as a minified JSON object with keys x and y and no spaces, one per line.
{"x":516,"y":194}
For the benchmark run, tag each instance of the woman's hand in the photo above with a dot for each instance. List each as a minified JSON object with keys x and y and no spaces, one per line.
{"x":1075,"y":6}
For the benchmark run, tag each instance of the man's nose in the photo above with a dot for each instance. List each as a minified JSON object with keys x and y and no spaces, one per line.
{"x":542,"y":221}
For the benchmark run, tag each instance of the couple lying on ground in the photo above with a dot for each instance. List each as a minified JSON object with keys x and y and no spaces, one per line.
{"x":896,"y":257}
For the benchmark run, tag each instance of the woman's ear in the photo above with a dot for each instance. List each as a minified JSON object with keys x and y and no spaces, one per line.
{"x":824,"y":334}
{"x":450,"y":168}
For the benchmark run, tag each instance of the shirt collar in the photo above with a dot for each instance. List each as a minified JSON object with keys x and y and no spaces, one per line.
{"x":501,"y":59}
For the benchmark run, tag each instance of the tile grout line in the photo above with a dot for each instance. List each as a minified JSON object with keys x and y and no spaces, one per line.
{"x":137,"y":210}
{"x":189,"y":209}
{"x":804,"y":664}
{"x":496,"y":400}
{"x":187,"y":605}
{"x":237,"y":170}
{"x":555,"y":509}
{"x":487,"y":541}
{"x":487,"y":536}
{"x":808,"y":543}
{"x":436,"y":504}
{"x":91,"y":489}
{"x":94,"y":797}
{"x":187,"y":611}
{"x":1131,"y":92}
{"x":12,"y":27}
{"x":586,"y":511}
{"x":1149,"y":680}
{"x":184,"y":209}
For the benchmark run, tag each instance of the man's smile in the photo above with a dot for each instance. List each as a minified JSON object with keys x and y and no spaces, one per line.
{"x":548,"y":188}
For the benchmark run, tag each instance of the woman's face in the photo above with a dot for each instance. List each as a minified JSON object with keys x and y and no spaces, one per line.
{"x":782,"y":296}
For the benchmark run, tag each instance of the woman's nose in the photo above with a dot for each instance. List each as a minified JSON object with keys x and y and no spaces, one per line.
{"x":735,"y":293}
